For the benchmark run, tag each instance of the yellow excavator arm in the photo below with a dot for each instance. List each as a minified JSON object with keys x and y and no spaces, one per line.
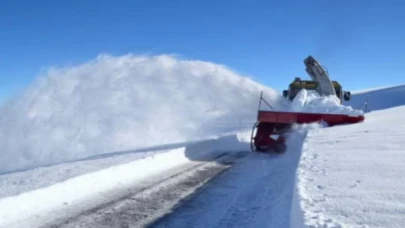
{"x":320,"y":82}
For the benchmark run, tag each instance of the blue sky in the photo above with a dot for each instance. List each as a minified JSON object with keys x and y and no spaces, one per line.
{"x":360,"y":42}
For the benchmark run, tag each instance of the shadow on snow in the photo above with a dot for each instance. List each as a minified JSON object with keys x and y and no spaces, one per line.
{"x":258,"y":191}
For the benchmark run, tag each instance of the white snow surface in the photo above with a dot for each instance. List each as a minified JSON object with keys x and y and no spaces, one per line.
{"x":37,"y":207}
{"x":259,"y":191}
{"x":353,"y":175}
{"x":310,"y":102}
{"x":124,"y":103}
{"x":378,"y":99}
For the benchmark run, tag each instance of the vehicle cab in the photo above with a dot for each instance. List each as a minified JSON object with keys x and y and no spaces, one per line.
{"x":295,"y":87}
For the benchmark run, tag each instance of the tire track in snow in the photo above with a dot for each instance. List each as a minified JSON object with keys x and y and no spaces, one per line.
{"x":142,"y":207}
{"x":258,"y":191}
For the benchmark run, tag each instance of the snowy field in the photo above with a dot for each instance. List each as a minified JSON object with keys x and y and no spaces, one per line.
{"x":353,"y":176}
{"x":383,"y":98}
{"x":81,"y":133}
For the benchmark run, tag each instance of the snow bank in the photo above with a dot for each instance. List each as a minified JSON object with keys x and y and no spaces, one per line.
{"x":88,"y":187}
{"x":311,"y":102}
{"x":123,"y":103}
{"x":353,"y":175}
{"x":95,"y":188}
{"x":378,"y":99}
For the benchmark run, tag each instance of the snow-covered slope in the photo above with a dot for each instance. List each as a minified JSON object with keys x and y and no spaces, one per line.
{"x":36,"y":197}
{"x":379,"y":98}
{"x":352,"y":176}
{"x":124,"y":103}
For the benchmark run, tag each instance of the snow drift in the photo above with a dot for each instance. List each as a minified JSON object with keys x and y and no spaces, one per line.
{"x":352,"y":176}
{"x":124,"y":103}
{"x":378,"y":99}
{"x":312,"y":102}
{"x":74,"y":196}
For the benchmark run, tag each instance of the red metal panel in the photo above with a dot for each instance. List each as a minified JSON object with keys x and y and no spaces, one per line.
{"x":301,"y":118}
{"x":277,"y":117}
{"x":333,"y":119}
{"x":287,"y":117}
{"x":308,"y":118}
{"x":267,"y":117}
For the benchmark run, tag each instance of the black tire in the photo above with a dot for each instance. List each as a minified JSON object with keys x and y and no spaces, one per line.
{"x":285,"y":93}
{"x":252,"y":138}
{"x":347,"y":96}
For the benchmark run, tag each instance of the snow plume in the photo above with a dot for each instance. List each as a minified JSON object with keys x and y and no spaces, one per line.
{"x":123,"y":103}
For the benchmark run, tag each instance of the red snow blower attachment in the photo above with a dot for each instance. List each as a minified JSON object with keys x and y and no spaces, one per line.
{"x":270,"y":131}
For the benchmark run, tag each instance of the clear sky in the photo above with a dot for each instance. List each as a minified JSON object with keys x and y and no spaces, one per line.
{"x":360,"y":42}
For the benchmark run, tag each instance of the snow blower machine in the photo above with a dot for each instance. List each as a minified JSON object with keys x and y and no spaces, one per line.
{"x":271,"y":128}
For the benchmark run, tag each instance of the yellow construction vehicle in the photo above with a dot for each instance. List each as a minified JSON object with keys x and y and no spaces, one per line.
{"x":299,"y":84}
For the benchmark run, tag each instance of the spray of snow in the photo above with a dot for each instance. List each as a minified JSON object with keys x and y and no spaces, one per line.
{"x":124,"y":103}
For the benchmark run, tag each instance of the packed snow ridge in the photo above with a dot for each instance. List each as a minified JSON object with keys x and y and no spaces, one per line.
{"x":311,"y":102}
{"x":124,"y":103}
